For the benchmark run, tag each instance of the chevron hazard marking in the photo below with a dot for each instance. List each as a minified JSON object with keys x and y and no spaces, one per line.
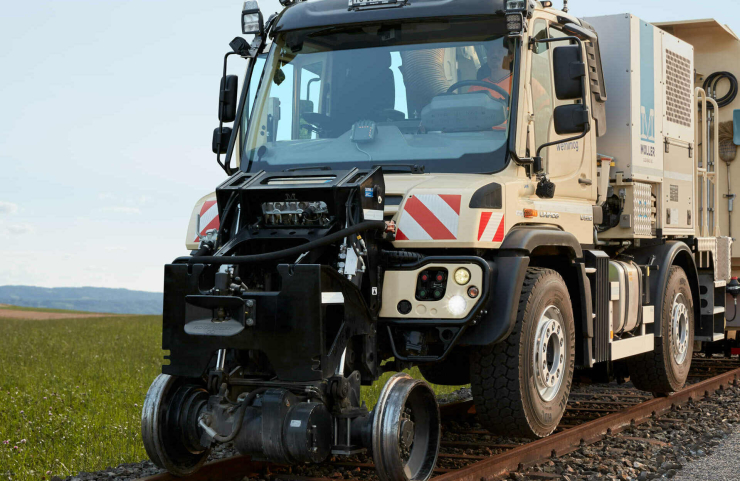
{"x":430,"y":217}
{"x":208,"y":218}
{"x":491,"y":228}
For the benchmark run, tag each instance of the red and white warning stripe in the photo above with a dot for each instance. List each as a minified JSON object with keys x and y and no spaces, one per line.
{"x":430,"y":217}
{"x":208,"y":218}
{"x":491,"y":228}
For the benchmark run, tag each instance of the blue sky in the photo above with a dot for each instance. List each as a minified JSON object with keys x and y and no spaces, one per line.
{"x":106,"y":114}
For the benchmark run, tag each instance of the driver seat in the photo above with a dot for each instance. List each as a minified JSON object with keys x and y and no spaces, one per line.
{"x":366,"y":87}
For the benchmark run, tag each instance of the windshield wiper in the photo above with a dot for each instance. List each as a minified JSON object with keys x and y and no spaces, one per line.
{"x":296,"y":169}
{"x":391,"y":168}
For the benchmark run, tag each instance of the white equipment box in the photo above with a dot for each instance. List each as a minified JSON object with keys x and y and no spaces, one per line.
{"x":650,"y":113}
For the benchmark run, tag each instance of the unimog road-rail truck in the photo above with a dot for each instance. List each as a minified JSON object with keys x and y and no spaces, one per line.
{"x":495,"y":191}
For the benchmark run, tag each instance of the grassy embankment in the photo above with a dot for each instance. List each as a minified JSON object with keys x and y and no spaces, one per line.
{"x":71,"y":392}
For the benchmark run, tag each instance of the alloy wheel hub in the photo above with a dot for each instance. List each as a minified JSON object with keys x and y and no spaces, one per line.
{"x":549,"y":353}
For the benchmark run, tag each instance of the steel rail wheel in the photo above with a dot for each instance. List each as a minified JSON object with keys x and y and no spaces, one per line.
{"x":405,"y":430}
{"x":169,"y":425}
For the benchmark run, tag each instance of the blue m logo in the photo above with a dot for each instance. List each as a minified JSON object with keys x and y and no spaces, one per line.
{"x":647,"y":125}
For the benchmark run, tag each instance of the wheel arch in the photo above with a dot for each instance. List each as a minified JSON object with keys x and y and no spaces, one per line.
{"x":672,"y":253}
{"x":535,"y":246}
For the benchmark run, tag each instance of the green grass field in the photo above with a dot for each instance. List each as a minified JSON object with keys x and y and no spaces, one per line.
{"x":71,"y":393}
{"x":41,"y":309}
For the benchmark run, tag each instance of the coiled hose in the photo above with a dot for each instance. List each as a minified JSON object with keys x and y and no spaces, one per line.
{"x":293,"y":251}
{"x":710,"y":86}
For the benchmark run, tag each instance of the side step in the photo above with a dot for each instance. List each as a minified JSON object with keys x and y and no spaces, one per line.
{"x":639,"y":344}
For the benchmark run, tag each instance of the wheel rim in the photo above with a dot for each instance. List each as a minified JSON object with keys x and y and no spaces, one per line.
{"x":550,"y":352}
{"x":405,"y":432}
{"x":167,"y":418}
{"x":680,"y":328}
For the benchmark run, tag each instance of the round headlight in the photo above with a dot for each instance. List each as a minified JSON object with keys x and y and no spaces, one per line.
{"x":462,"y":276}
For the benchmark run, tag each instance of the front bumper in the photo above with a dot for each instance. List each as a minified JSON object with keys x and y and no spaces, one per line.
{"x":301,"y":329}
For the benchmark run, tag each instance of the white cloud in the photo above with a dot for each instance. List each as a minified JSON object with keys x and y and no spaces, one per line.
{"x":121,"y":210}
{"x":8,"y":208}
{"x":20,"y":229}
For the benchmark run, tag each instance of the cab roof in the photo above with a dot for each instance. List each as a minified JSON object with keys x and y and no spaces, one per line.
{"x":327,"y":13}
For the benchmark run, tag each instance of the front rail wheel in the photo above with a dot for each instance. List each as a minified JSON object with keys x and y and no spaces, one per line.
{"x":521,"y":385}
{"x":169,"y":425}
{"x":665,"y":369}
{"x":405,"y":430}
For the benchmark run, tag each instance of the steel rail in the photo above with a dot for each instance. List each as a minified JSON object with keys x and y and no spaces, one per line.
{"x":514,"y":458}
{"x":591,"y":432}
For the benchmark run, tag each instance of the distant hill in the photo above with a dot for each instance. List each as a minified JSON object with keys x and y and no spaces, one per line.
{"x":90,"y":299}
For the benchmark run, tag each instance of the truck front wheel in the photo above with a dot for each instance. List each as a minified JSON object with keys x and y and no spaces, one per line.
{"x":521,"y":385}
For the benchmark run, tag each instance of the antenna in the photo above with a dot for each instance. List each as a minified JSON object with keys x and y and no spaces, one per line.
{"x":565,"y":6}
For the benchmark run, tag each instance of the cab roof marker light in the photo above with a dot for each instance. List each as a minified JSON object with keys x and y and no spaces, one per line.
{"x":252,"y":21}
{"x":516,"y":5}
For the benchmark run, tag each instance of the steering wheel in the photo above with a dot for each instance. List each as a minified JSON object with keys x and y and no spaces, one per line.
{"x":481,"y":83}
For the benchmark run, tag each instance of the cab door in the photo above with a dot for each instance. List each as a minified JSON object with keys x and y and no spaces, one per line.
{"x":571,"y":165}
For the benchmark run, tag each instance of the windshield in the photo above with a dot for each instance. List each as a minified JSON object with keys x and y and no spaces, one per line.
{"x":433,"y":94}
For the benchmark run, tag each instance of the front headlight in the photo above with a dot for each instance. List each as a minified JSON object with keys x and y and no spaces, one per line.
{"x":457,"y":305}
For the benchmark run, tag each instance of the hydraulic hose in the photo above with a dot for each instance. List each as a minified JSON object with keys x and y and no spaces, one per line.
{"x":293,"y":251}
{"x":710,"y":86}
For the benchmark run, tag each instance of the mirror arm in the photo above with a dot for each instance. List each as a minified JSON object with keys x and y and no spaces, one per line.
{"x":258,"y":46}
{"x":221,"y":104}
{"x":255,"y":49}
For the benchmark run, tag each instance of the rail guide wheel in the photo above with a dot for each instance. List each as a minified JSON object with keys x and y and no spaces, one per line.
{"x":405,"y":430}
{"x":169,"y":425}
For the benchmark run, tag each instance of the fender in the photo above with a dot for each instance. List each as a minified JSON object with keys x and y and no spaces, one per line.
{"x":530,"y":238}
{"x":667,"y":255}
{"x":510,"y":267}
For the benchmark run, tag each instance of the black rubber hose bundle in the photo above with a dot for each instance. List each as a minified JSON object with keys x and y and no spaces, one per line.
{"x":714,"y":80}
{"x":293,"y":251}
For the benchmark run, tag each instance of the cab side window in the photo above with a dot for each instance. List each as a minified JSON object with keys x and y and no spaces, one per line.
{"x":541,"y":85}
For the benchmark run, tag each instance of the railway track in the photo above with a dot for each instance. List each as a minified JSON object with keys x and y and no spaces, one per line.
{"x":468,"y":452}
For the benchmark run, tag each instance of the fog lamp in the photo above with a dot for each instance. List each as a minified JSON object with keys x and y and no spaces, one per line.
{"x":462,"y":276}
{"x":457,"y":305}
{"x":252,"y":22}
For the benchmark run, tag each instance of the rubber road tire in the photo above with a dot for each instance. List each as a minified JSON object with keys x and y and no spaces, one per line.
{"x":657,"y":371}
{"x":502,"y":375}
{"x":453,"y":371}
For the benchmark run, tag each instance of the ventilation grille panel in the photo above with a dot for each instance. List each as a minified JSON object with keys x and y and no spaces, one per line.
{"x":678,"y":89}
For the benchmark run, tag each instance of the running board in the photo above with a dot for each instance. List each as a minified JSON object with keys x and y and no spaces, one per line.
{"x":632,"y":347}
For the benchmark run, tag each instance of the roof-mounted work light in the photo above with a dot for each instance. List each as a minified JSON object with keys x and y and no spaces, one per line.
{"x":516,"y":12}
{"x":252,"y":22}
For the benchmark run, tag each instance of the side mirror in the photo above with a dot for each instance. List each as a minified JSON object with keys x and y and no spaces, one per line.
{"x":228,"y":98}
{"x":221,"y":138}
{"x":571,"y":119}
{"x":569,"y":72}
